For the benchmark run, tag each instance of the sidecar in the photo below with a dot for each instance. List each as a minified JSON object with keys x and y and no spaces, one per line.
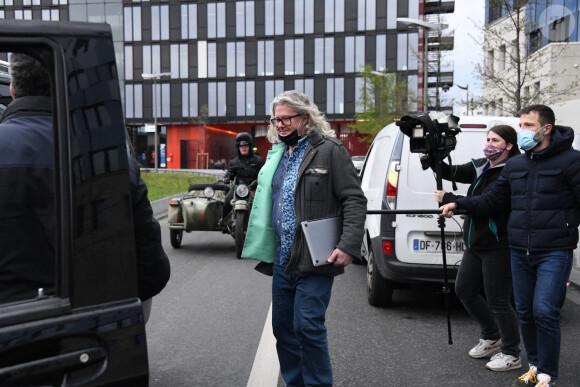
{"x":198,"y":210}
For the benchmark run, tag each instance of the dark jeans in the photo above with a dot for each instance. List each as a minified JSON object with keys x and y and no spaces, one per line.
{"x":490,"y":270}
{"x":298,"y":315}
{"x":539,"y":285}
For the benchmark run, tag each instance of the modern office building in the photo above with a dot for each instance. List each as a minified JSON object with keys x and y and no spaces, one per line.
{"x":207,"y":70}
{"x":549,"y":48}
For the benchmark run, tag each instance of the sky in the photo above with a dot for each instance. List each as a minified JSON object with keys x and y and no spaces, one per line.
{"x":466,"y":21}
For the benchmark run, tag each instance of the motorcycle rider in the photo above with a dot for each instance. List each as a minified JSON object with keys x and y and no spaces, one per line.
{"x":243,"y":168}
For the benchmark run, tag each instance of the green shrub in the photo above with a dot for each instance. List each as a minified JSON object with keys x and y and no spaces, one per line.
{"x":162,"y":185}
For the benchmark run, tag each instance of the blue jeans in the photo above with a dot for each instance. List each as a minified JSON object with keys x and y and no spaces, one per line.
{"x":298,"y":315}
{"x":539,"y":285}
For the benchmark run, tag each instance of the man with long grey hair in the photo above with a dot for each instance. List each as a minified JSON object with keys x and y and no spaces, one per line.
{"x":308,"y":175}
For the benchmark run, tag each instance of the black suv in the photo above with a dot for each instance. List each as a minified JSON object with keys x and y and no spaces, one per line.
{"x":91,"y":330}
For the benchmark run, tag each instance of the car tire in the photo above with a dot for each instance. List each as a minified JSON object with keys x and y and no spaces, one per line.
{"x":176,"y":236}
{"x":379,"y":290}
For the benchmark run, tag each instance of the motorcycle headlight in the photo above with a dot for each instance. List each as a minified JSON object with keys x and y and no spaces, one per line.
{"x":242,"y":191}
{"x":208,"y":192}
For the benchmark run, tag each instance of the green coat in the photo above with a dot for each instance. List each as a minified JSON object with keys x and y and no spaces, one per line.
{"x":260,"y":241}
{"x":327,"y":185}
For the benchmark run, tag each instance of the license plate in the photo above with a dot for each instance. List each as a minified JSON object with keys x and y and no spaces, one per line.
{"x":429,"y":245}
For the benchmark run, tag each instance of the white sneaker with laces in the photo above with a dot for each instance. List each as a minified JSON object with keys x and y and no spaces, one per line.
{"x":502,"y":362}
{"x":544,"y":380}
{"x":484,"y":348}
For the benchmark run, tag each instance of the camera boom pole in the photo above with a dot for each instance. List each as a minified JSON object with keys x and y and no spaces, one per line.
{"x":441,"y":223}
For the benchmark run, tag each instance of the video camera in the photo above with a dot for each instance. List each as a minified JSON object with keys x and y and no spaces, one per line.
{"x":430,"y":136}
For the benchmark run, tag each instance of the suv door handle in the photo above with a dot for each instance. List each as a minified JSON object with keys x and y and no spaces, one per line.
{"x":62,"y":362}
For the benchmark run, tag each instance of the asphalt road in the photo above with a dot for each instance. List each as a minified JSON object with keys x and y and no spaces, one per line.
{"x":205,"y":328}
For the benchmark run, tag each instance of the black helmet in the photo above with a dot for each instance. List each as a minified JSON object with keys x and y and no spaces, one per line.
{"x":244,"y":138}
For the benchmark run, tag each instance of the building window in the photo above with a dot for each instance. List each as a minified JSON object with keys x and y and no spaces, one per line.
{"x":132,"y":24}
{"x":356,"y":45}
{"x":51,"y":14}
{"x":303,"y":16}
{"x":189,"y":21}
{"x":211,"y":60}
{"x":151,"y":59}
{"x":202,"y":59}
{"x":245,"y":98}
{"x":245,"y":18}
{"x":159,"y":22}
{"x":128,"y":62}
{"x":179,"y":61}
{"x":294,"y":56}
{"x":236,"y":59}
{"x":274,"y":17}
{"x":402,"y":50}
{"x":216,"y":99}
{"x":489,"y":64}
{"x":413,"y":51}
{"x":265,"y":57}
{"x":216,"y":20}
{"x":306,"y":86}
{"x":333,"y":15}
{"x":366,"y":15}
{"x":501,"y":58}
{"x":271,"y":90}
{"x":189,"y":100}
{"x":358,"y":95}
{"x":381,"y":56}
{"x":134,"y":101}
{"x":323,"y":55}
{"x":335,"y":96}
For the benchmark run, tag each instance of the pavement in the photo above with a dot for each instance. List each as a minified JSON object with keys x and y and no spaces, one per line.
{"x":160,"y":211}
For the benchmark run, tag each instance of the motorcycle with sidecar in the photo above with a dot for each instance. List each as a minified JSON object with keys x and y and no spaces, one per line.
{"x":202,"y":207}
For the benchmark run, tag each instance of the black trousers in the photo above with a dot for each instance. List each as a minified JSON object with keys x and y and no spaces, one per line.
{"x":489,"y":270}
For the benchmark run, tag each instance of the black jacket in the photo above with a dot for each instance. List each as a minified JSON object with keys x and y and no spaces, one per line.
{"x":244,"y":168}
{"x":27,"y":209}
{"x":479,"y":232}
{"x":27,"y":201}
{"x":542,"y":189}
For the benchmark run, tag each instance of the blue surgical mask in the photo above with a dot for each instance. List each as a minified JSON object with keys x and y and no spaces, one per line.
{"x":526,"y":139}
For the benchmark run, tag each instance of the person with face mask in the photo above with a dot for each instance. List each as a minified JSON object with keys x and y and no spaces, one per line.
{"x":541,"y":191}
{"x":308,"y":175}
{"x":486,"y":260}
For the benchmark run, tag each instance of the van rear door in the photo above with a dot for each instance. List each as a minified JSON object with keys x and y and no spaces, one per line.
{"x":418,"y":237}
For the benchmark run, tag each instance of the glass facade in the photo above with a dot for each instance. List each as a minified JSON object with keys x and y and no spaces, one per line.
{"x":228,"y":59}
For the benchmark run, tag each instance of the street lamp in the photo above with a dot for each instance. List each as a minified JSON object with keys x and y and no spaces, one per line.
{"x":423,"y":26}
{"x":466,"y":88}
{"x":155,"y":77}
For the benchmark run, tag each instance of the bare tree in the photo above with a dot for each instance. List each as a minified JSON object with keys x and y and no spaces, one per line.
{"x":382,"y":99}
{"x":517,"y":71}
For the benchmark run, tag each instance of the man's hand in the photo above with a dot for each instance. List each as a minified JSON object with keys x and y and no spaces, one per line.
{"x":340,"y":258}
{"x":448,"y":209}
{"x":439,"y":195}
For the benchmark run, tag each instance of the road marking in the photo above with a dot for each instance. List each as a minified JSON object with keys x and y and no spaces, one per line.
{"x":266,"y":369}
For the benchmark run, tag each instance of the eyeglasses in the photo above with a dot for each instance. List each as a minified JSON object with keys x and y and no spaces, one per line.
{"x":285,"y":120}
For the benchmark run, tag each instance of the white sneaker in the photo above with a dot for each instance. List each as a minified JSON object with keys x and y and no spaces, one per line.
{"x":502,"y":362}
{"x":484,"y":348}
{"x":544,"y":380}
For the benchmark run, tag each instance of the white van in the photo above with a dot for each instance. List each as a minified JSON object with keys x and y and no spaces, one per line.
{"x":406,"y":249}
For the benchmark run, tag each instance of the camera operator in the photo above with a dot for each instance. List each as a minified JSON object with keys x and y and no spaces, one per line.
{"x":486,"y":261}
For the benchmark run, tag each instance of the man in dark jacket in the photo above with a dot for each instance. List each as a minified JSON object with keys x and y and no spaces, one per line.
{"x":243,"y":168}
{"x":27,"y":206}
{"x":542,"y":190}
